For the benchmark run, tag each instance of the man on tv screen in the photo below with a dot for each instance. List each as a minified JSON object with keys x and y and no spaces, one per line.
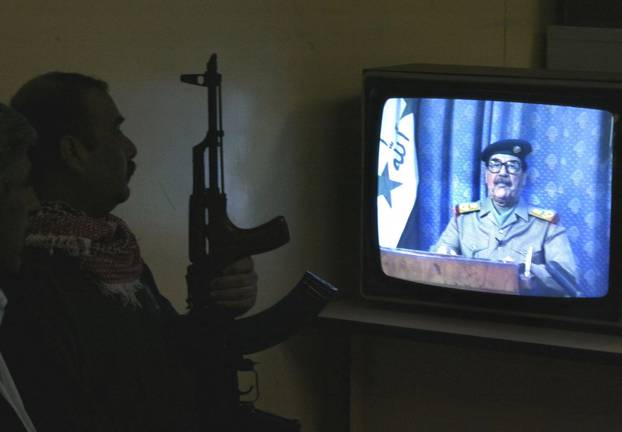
{"x":502,"y":227}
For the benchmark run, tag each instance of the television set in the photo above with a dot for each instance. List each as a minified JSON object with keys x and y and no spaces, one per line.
{"x":434,"y":236}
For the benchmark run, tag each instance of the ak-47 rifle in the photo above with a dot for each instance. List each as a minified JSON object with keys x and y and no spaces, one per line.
{"x":213,"y":246}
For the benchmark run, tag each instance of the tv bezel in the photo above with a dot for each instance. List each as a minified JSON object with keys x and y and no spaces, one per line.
{"x":588,"y":90}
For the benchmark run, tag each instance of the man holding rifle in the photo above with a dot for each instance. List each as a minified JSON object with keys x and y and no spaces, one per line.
{"x":102,"y":352}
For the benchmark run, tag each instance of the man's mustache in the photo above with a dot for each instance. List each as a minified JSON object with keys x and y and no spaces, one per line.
{"x":503,"y":180}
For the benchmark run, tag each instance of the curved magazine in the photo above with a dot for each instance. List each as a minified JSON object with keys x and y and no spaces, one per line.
{"x":285,"y":318}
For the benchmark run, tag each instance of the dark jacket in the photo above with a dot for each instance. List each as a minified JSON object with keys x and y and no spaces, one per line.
{"x":9,"y":421}
{"x":85,"y":362}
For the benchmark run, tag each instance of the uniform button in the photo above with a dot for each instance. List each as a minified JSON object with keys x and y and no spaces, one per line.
{"x":501,"y":231}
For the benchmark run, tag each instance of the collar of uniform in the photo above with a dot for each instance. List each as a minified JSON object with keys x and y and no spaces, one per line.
{"x":522,"y":210}
{"x":486,"y":207}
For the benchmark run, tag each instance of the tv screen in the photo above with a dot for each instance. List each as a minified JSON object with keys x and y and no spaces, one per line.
{"x":442,"y":205}
{"x":491,"y":188}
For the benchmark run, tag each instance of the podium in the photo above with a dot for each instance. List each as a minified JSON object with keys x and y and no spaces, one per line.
{"x":451,"y":271}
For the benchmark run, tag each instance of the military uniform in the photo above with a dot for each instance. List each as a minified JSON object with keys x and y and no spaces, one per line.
{"x":474,"y":232}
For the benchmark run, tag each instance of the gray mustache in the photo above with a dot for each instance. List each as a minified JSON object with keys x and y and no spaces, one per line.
{"x":504,"y":181}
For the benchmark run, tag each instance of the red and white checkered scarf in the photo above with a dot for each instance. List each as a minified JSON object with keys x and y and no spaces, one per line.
{"x":106,"y":248}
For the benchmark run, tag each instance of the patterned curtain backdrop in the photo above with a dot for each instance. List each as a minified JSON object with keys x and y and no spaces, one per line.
{"x":569,"y":170}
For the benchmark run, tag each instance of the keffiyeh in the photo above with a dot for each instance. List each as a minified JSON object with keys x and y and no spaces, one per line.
{"x":105,"y":246}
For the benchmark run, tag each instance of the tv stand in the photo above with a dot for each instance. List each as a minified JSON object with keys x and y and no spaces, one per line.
{"x":441,"y":372}
{"x":361,"y":316}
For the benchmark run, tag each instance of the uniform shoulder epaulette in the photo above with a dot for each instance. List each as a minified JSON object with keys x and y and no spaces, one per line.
{"x":548,"y":215}
{"x":467,"y":208}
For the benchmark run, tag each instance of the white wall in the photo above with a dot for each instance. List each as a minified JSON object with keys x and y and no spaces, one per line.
{"x":292,"y":78}
{"x":291,"y":81}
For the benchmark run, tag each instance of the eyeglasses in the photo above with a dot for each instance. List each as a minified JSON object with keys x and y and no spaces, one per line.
{"x":511,"y":166}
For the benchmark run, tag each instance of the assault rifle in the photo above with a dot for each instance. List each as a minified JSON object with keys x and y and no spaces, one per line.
{"x":213,"y":246}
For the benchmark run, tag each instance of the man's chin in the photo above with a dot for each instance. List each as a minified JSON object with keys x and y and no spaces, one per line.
{"x":120,"y":198}
{"x":125,"y":195}
{"x":504,"y":200}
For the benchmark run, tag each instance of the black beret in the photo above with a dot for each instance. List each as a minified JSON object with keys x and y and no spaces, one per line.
{"x":514,"y":147}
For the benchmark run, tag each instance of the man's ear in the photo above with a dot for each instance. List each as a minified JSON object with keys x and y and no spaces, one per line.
{"x":73,"y":153}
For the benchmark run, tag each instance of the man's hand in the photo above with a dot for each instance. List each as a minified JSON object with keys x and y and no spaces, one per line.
{"x":526,"y":284}
{"x":235,"y":289}
{"x":442,"y":249}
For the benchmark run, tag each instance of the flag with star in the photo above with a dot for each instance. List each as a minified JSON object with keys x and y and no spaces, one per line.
{"x":397,"y":170}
